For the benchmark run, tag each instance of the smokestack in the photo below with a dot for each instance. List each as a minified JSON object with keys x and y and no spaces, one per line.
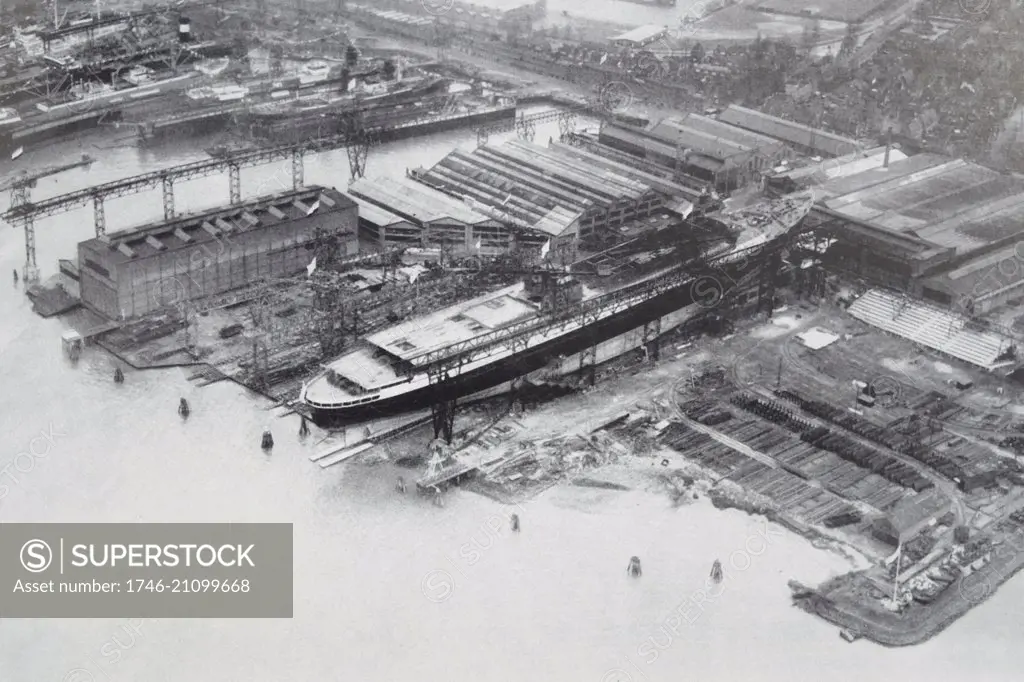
{"x":888,"y":146}
{"x":184,"y":30}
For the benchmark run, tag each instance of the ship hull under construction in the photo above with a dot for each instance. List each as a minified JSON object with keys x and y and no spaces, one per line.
{"x":701,"y":290}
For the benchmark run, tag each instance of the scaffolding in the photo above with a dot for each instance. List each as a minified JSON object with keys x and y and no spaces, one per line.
{"x":20,"y":201}
{"x":525,"y":125}
{"x":444,"y":403}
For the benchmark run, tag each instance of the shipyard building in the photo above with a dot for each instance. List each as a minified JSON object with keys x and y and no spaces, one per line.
{"x":137,"y":271}
{"x":708,"y":150}
{"x":804,"y":139}
{"x":906,"y":519}
{"x":403,"y":212}
{"x":570,"y":197}
{"x":935,"y":226}
{"x":938,"y":238}
{"x":514,"y":196}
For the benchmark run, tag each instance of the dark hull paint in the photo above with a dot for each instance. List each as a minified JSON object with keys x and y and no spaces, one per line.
{"x":530,"y":360}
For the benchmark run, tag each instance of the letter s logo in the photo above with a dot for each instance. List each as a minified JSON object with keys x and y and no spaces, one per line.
{"x":36,"y":556}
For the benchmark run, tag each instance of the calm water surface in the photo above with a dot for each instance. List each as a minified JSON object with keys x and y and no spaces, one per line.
{"x":388,"y":587}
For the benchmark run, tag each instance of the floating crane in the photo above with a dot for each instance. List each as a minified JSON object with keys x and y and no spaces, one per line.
{"x":19,"y":187}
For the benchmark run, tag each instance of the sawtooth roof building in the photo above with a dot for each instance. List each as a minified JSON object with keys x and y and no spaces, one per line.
{"x":564,"y":193}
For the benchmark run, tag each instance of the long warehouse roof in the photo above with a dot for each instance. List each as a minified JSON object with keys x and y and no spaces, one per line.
{"x":416,"y":201}
{"x":582,"y":156}
{"x":377,"y":215}
{"x":788,"y":131}
{"x":945,"y":202}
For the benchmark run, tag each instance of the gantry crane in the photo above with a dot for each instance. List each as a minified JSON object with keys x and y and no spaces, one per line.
{"x":19,"y":187}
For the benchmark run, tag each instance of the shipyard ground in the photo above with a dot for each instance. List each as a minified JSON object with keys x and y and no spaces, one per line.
{"x":631,"y":431}
{"x":646,"y":426}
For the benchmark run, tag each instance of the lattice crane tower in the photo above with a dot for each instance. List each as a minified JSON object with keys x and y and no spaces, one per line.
{"x":19,"y":187}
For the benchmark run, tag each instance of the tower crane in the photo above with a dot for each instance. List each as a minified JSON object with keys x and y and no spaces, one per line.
{"x":19,"y":186}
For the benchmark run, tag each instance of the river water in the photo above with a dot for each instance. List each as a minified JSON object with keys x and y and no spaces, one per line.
{"x":389,"y":587}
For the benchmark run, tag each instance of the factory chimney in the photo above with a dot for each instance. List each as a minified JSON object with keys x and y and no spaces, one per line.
{"x":184,"y":30}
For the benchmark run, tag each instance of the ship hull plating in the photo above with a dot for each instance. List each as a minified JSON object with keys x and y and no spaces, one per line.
{"x":527,"y":361}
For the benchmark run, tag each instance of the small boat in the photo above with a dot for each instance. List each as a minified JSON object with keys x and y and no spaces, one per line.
{"x":716,"y":571}
{"x":17,"y":152}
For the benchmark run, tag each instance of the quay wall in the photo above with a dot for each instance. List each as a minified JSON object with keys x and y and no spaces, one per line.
{"x":924,"y":621}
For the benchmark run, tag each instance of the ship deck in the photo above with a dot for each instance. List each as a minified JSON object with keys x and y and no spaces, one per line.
{"x":454,"y":324}
{"x":377,"y":364}
{"x":362,"y":368}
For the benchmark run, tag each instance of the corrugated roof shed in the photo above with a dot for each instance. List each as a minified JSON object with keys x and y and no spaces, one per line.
{"x":611,"y":185}
{"x":845,"y":184}
{"x":414,"y":201}
{"x":981,"y":225}
{"x":984,"y":275}
{"x":490,"y":194}
{"x":638,"y":139}
{"x":950,"y":203}
{"x":557,"y":221}
{"x":539,"y":187}
{"x":742,"y":136}
{"x":377,"y":215}
{"x":582,"y":156}
{"x":495,"y":170}
{"x":676,"y":132}
{"x":788,"y":131}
